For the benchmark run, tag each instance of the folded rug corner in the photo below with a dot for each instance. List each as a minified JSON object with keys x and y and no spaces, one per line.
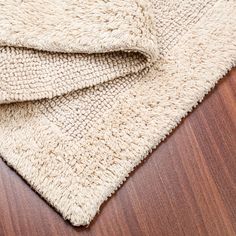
{"x":89,"y":88}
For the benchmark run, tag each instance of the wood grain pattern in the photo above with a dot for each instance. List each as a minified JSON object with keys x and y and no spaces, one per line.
{"x":186,"y":187}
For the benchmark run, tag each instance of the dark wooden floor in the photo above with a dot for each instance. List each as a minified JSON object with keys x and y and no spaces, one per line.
{"x":187,"y":186}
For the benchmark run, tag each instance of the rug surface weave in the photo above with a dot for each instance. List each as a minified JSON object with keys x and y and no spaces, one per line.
{"x":89,"y":88}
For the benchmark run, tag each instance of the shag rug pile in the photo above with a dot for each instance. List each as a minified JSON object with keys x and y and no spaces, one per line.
{"x":89,"y":87}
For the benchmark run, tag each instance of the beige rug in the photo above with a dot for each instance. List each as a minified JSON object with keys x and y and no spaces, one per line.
{"x":89,"y":87}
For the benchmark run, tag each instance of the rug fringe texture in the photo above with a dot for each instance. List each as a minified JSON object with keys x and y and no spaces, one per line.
{"x":89,"y":88}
